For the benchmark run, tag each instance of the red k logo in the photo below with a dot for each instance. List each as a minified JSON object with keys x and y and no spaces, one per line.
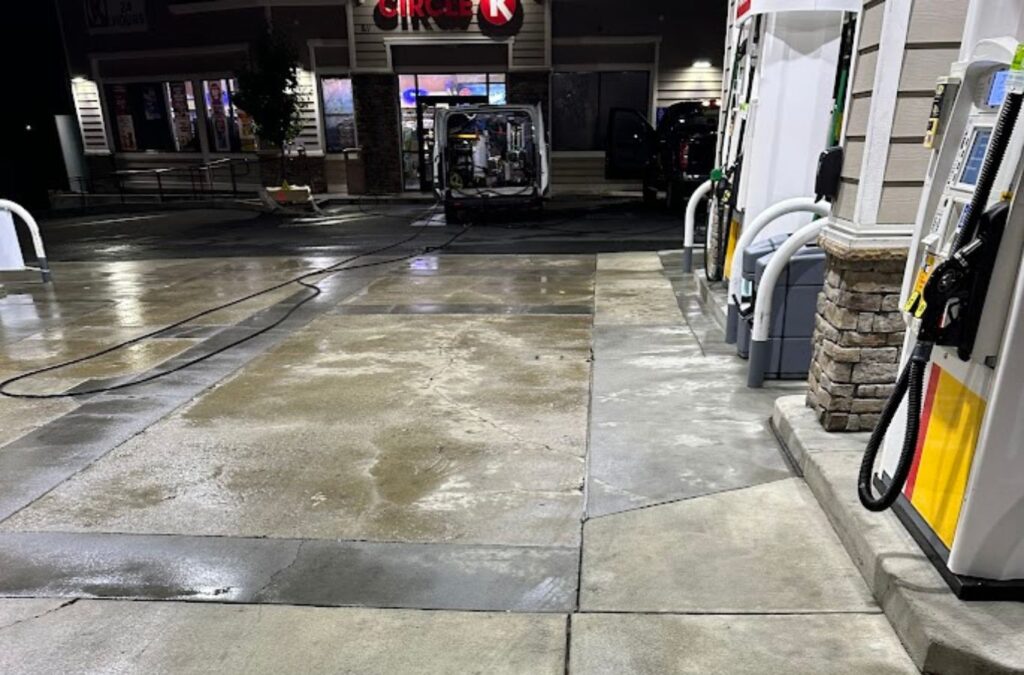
{"x":497,"y":12}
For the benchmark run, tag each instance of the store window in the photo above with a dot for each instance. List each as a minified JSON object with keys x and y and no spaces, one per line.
{"x":182,"y":104}
{"x":229,"y":128}
{"x":417,"y":142}
{"x":164,"y":117}
{"x":141,"y":120}
{"x":339,"y":113}
{"x":579,"y":121}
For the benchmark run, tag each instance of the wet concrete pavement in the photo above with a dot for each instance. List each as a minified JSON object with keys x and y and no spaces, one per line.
{"x":457,"y":463}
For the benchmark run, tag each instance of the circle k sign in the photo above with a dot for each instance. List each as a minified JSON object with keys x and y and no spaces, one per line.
{"x":497,"y":12}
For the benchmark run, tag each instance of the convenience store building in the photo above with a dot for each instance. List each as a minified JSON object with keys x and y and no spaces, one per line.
{"x":153,"y":81}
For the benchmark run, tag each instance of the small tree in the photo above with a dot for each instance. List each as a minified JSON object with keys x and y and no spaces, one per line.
{"x":267,"y":92}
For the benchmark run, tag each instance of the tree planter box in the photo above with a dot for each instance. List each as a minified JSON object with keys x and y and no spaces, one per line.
{"x":289,"y":195}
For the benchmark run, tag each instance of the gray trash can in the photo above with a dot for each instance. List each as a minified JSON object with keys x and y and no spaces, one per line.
{"x":794,"y":305}
{"x":355,"y":171}
{"x":753,"y":253}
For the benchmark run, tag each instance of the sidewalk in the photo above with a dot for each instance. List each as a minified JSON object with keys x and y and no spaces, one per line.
{"x":553,"y":454}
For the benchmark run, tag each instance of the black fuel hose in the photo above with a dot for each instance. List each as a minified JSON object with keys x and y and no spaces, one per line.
{"x":713,"y":273}
{"x":911,"y":382}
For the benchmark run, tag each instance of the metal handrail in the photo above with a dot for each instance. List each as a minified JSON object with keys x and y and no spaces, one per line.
{"x":751,"y":230}
{"x":760,"y":348}
{"x":689,"y":224}
{"x":201,"y":178}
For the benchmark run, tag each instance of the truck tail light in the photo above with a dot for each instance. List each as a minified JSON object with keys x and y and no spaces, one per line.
{"x":684,"y":156}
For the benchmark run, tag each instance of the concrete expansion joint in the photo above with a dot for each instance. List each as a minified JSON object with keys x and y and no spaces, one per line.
{"x":52,"y":610}
{"x":711,"y":612}
{"x":690,"y":498}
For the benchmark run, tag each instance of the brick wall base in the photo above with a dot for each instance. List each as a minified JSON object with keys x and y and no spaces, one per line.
{"x":530,"y":88}
{"x":376,"y":103}
{"x":857,"y":340}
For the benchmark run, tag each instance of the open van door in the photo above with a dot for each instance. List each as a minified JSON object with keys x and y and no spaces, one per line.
{"x":630,"y":145}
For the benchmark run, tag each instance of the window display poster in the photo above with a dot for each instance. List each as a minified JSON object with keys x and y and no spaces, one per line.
{"x":182,"y":120}
{"x":218,"y":116}
{"x":151,"y":103}
{"x":125,"y":125}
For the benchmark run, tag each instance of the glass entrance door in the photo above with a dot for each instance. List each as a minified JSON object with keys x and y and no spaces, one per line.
{"x":418,"y":121}
{"x":425,"y":108}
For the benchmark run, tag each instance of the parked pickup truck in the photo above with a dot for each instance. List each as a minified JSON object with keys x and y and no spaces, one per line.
{"x":675,"y":157}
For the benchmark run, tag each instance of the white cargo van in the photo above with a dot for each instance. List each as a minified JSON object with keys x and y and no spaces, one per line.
{"x":490,"y":156}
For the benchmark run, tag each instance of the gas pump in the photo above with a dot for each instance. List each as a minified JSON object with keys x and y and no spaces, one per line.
{"x":951,"y":435}
{"x":785,"y":88}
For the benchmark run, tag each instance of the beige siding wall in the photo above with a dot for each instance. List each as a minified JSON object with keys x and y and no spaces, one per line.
{"x":853,"y":155}
{"x":90,"y":117}
{"x":899,"y":203}
{"x":582,"y":173}
{"x":933,"y":42}
{"x":922,"y":65}
{"x":847,"y":199}
{"x":935,"y":21}
{"x":857,"y":112}
{"x":309,"y":103}
{"x":864,"y":73}
{"x":907,"y":161}
{"x":859,"y":107}
{"x":911,"y":115}
{"x":676,"y":83}
{"x":871,"y":24}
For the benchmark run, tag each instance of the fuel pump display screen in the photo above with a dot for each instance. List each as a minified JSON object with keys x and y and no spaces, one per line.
{"x":976,"y":157}
{"x":997,"y":92}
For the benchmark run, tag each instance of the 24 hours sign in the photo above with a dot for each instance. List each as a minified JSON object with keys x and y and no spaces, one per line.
{"x":115,"y":16}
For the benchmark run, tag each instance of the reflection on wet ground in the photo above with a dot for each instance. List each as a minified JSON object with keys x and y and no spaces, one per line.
{"x":502,"y":434}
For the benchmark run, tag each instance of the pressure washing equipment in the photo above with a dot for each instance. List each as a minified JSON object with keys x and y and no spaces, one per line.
{"x":490,"y":155}
{"x":951,"y":433}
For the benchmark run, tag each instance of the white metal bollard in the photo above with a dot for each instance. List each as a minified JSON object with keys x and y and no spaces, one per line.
{"x":689,"y":224}
{"x":33,"y":228}
{"x":763,"y":219}
{"x":760,"y":347}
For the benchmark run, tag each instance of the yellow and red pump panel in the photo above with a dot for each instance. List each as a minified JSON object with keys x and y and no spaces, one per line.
{"x":951,"y":419}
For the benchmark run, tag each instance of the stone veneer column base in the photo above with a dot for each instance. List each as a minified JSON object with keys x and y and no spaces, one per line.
{"x":858,"y":335}
{"x":377,"y":128}
{"x":530,"y":88}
